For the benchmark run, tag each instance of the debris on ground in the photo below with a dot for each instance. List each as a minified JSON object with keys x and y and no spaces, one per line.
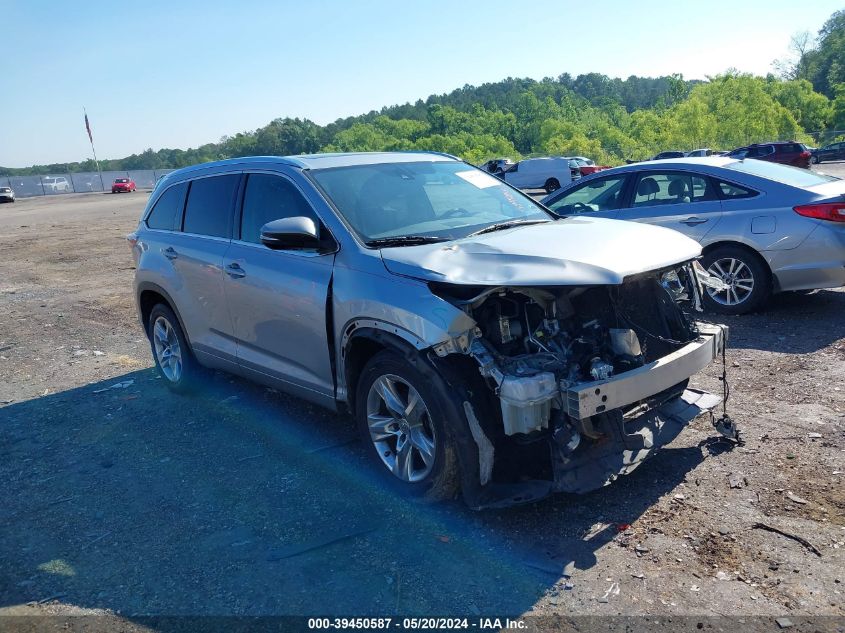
{"x":737,"y":480}
{"x":118,"y":385}
{"x":803,"y":541}
{"x":783,"y":623}
{"x":793,"y":497}
{"x":613,"y":590}
{"x":318,"y":543}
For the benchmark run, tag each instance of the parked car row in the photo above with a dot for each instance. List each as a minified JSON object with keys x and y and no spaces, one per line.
{"x":786,"y":153}
{"x":548,"y":173}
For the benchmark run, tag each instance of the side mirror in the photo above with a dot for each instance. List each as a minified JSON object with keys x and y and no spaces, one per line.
{"x":290,"y":233}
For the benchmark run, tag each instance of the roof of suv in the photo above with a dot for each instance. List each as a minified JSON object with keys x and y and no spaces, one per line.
{"x":325,"y":161}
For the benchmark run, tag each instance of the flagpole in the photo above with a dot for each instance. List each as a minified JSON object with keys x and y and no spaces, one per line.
{"x":91,"y":138}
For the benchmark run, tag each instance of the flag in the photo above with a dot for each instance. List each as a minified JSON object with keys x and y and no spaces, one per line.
{"x":88,"y":127}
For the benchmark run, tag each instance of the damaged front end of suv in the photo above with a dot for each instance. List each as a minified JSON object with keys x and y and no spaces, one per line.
{"x":581,"y":383}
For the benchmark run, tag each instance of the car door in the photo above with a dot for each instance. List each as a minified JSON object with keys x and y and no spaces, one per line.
{"x":196,"y":255}
{"x":277,"y":298}
{"x":599,"y":197}
{"x":680,"y":200}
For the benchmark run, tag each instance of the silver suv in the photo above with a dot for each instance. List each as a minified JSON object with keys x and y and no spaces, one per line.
{"x":480,"y":343}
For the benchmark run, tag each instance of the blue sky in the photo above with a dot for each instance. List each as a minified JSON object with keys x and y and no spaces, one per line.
{"x":179,"y":74}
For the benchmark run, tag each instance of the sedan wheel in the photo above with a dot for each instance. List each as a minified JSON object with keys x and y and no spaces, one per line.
{"x":745,"y":276}
{"x":739,"y":278}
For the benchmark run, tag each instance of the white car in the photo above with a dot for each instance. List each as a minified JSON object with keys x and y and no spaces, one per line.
{"x":539,"y":173}
{"x":7,"y":194}
{"x":55,"y":184}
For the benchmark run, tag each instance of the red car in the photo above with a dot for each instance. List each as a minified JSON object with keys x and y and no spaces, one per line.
{"x":784,"y":152}
{"x":585,"y":166}
{"x":123,"y":184}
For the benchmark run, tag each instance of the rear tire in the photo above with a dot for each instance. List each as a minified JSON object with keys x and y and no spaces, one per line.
{"x":551,"y":185}
{"x":171,"y":352}
{"x":747,"y":274}
{"x":404,"y":424}
{"x":815,"y":160}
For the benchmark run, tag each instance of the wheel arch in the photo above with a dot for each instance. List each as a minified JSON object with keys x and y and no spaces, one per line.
{"x":363,"y":340}
{"x":149,"y":295}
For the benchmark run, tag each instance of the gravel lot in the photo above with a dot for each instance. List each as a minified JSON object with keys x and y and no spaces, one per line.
{"x":242,"y":500}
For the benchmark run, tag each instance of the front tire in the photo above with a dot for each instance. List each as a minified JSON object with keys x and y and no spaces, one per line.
{"x":815,"y":160}
{"x":172,"y":355}
{"x":403,"y":422}
{"x":551,"y":185}
{"x":747,"y":275}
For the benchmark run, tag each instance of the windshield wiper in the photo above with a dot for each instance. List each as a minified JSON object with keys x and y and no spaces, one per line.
{"x":405,"y":240}
{"x":499,"y":226}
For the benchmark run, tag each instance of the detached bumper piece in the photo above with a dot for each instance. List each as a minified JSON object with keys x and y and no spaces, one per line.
{"x":626,"y":443}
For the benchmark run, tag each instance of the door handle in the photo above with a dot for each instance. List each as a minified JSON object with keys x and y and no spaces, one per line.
{"x":235,"y":271}
{"x":693,"y":221}
{"x":170,"y":252}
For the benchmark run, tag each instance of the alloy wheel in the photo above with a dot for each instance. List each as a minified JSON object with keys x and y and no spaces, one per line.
{"x":400,"y":428}
{"x":167,"y":348}
{"x":739,"y":278}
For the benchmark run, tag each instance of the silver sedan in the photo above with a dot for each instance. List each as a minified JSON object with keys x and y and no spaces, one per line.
{"x":764,"y":227}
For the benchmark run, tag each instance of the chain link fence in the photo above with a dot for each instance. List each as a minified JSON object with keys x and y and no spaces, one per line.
{"x":83,"y":182}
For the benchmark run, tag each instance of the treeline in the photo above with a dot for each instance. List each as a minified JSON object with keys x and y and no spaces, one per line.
{"x":610,"y":120}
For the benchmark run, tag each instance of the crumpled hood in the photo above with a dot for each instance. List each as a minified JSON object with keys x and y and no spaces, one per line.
{"x":571,"y":251}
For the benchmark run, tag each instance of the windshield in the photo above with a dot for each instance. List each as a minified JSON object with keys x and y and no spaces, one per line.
{"x":48,"y":180}
{"x":794,"y":176}
{"x":5,"y":189}
{"x":121,"y":180}
{"x":446,"y":200}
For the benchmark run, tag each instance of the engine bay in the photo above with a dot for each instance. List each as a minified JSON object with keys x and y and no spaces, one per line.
{"x":534,"y":343}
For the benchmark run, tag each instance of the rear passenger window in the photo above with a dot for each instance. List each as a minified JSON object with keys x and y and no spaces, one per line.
{"x":672,"y":188}
{"x":269,"y":198}
{"x":729,"y":191}
{"x":168,"y":209}
{"x":210,"y":205}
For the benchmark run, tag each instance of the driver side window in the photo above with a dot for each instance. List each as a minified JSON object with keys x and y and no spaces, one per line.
{"x":269,"y":198}
{"x":602,"y":194}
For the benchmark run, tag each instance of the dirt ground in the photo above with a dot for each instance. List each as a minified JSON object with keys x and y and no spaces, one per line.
{"x":121,"y":498}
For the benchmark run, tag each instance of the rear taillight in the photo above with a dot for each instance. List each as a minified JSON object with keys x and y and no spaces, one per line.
{"x":805,"y":154}
{"x":833,"y":211}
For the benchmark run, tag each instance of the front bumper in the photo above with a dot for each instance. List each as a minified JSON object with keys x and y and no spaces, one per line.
{"x":592,"y":398}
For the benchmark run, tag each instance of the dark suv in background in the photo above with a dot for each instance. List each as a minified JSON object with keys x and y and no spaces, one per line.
{"x":833,"y":151}
{"x":783,"y":152}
